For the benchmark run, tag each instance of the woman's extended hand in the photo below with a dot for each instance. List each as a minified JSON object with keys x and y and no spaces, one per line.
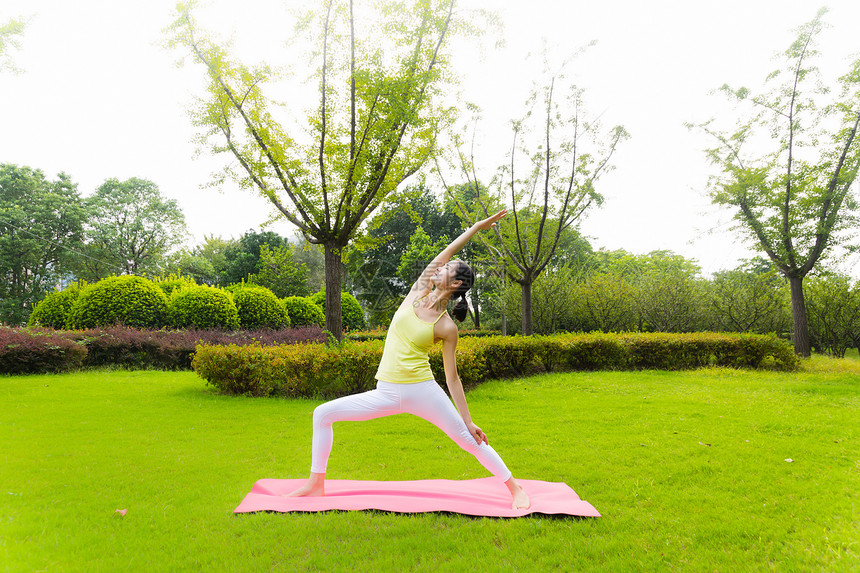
{"x":477,"y":433}
{"x":490,"y":222}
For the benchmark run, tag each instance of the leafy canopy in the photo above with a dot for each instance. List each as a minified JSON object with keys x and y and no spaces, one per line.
{"x":789,"y":164}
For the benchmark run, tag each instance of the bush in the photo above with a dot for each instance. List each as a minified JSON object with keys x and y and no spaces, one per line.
{"x":172,"y":350}
{"x":373,"y":334}
{"x":136,"y":349}
{"x":289,"y":370}
{"x":128,"y":300}
{"x":259,"y":307}
{"x":53,"y":311}
{"x":352,"y":315}
{"x":317,"y":370}
{"x":172,"y":283}
{"x":202,"y":307}
{"x":35,"y":352}
{"x":303,"y":312}
{"x":671,"y":351}
{"x":379,"y":334}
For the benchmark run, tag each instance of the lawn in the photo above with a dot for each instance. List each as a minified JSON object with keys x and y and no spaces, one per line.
{"x":708,"y":470}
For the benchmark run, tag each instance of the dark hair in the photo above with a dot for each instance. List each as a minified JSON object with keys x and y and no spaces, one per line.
{"x":463,"y":273}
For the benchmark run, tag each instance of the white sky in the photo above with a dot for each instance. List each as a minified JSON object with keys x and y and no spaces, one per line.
{"x":100,"y":98}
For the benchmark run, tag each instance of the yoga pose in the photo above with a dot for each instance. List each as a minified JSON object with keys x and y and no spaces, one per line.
{"x":404,"y":380}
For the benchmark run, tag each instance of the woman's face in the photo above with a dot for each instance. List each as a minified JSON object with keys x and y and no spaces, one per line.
{"x":444,"y":276}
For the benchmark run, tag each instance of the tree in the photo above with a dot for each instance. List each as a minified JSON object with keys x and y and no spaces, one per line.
{"x":375,"y":126}
{"x":605,"y":301}
{"x":205,"y":263}
{"x":834,"y":313}
{"x":130,"y":230}
{"x":279,"y":273}
{"x":555,"y":302}
{"x":668,"y":295}
{"x":40,"y":225}
{"x":794,"y":202}
{"x":564,"y":161}
{"x":311,"y":256}
{"x":418,"y":255}
{"x":187,"y":264}
{"x":745,"y":301}
{"x":9,"y":39}
{"x":242,"y":257}
{"x":376,"y":254}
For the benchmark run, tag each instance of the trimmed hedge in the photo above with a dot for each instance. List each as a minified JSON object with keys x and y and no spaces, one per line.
{"x":317,"y":370}
{"x":297,"y":370}
{"x":173,"y":283}
{"x":38,"y":352}
{"x":352,"y":315}
{"x":379,"y":334}
{"x":53,"y":311}
{"x":259,"y":307}
{"x":303,"y":312}
{"x":202,"y":307}
{"x":128,"y":300}
{"x":33,"y":350}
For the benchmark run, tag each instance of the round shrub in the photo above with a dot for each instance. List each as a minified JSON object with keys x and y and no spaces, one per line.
{"x":352,"y":315}
{"x":172,"y":283}
{"x":53,"y":311}
{"x":128,"y":300}
{"x":202,"y":307}
{"x":259,"y":308}
{"x":303,"y":312}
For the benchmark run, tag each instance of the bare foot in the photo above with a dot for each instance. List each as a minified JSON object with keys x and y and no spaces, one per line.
{"x":314,"y":487}
{"x":520,"y":498}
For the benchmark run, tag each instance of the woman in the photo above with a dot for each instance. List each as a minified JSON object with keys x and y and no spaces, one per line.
{"x":405,"y":381}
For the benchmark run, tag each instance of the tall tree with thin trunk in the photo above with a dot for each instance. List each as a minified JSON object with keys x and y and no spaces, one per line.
{"x":794,"y":201}
{"x":564,"y":153}
{"x":380,"y":68}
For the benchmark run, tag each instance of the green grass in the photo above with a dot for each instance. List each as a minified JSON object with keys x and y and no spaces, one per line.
{"x":687,"y":468}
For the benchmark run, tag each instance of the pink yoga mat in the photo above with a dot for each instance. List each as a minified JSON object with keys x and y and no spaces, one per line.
{"x":483,"y":497}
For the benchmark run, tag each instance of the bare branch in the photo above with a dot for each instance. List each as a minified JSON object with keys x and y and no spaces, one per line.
{"x":382,"y":169}
{"x":514,"y":199}
{"x":351,"y":86}
{"x":786,"y":234}
{"x":284,"y":176}
{"x":825,"y":212}
{"x":547,"y":175}
{"x":249,"y":90}
{"x":323,"y":113}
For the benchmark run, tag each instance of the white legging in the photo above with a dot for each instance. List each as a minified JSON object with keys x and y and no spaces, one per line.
{"x":424,"y":399}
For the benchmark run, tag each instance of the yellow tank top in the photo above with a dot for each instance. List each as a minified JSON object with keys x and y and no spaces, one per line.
{"x":407,"y":344}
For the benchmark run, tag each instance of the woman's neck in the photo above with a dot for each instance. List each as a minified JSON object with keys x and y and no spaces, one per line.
{"x":438,"y":299}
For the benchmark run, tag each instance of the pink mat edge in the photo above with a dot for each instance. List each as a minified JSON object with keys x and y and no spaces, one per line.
{"x":488,"y":503}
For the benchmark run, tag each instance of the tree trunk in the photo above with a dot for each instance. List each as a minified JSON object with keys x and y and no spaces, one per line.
{"x":333,"y":317}
{"x":528,"y":317}
{"x":798,"y":312}
{"x":476,"y":317}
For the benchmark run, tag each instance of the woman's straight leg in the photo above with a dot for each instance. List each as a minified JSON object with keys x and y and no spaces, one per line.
{"x":427,"y":400}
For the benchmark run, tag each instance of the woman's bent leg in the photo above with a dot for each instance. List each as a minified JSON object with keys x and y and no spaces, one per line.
{"x":358,"y":407}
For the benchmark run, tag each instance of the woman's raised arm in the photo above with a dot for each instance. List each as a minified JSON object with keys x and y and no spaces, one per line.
{"x":423,"y":284}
